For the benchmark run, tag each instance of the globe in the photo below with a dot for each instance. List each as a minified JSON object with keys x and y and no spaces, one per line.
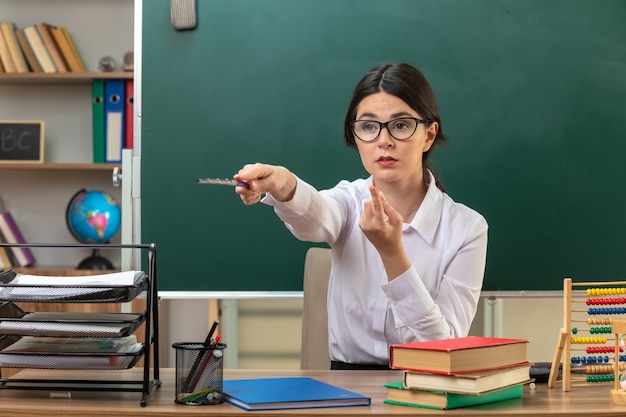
{"x":93,"y":217}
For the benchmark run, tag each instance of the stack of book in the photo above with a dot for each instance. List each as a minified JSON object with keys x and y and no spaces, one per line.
{"x":458,"y":372}
{"x":41,"y":47}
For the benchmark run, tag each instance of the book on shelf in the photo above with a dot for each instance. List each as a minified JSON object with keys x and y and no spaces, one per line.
{"x":39,"y":49}
{"x":472,"y":383}
{"x":399,"y":395}
{"x":5,"y":260}
{"x":288,"y":393}
{"x":31,"y":59}
{"x":81,"y":63}
{"x":8,"y":31}
{"x":459,"y":355}
{"x":11,"y":233}
{"x":5,"y":56}
{"x":71,"y":60}
{"x":70,"y":41}
{"x":45,"y":31}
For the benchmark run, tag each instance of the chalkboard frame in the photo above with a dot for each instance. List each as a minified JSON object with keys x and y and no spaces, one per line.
{"x":35,"y":155}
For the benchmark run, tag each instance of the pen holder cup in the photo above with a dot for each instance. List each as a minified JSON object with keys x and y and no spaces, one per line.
{"x":199,"y":373}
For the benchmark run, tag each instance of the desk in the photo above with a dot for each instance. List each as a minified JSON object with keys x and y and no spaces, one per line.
{"x":583,"y":401}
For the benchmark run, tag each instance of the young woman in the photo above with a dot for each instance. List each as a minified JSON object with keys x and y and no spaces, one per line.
{"x":407,"y":261}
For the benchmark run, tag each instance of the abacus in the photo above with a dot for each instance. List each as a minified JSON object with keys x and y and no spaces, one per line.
{"x":590,"y":314}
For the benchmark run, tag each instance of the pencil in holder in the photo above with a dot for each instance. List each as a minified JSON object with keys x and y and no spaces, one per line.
{"x":199,"y":373}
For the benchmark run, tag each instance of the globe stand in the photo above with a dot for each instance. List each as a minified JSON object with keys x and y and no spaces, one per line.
{"x":95,"y":262}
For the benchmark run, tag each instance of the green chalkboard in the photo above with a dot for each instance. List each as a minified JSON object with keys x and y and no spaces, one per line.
{"x":532,"y":96}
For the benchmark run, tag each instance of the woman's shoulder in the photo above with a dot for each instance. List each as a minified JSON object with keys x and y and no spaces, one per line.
{"x":461,"y":212}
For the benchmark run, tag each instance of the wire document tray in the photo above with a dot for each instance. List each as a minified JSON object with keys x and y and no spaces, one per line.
{"x":63,"y":341}
{"x":14,"y":320}
{"x":55,"y":293}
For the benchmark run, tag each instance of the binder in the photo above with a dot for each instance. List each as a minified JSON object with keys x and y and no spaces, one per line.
{"x":129,"y":116}
{"x":97,"y":120}
{"x":114,"y":120}
{"x":287,"y":393}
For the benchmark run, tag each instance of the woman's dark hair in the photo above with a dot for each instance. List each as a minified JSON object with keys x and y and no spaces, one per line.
{"x":408,"y":84}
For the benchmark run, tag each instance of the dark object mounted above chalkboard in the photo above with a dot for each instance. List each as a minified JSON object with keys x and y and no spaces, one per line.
{"x":21,"y":140}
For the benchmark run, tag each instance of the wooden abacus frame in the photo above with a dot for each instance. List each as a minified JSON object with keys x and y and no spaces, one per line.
{"x":618,"y":395}
{"x":563,"y":347}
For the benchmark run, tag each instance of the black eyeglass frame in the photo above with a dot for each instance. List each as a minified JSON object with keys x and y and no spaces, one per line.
{"x":385,"y":125}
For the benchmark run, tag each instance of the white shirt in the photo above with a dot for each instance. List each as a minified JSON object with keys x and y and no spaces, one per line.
{"x":436,"y":298}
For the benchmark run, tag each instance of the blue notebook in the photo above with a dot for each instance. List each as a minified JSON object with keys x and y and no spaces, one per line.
{"x":284,"y":393}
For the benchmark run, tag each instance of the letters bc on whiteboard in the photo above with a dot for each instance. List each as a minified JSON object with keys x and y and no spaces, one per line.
{"x":21,"y":140}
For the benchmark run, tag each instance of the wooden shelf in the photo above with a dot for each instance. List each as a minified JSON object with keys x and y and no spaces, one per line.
{"x":58,"y":166}
{"x":62,"y":78}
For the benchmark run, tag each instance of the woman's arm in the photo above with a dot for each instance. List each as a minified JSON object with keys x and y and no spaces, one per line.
{"x":420,"y":316}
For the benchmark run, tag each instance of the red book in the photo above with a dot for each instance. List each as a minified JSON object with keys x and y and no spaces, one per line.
{"x":12,"y":234}
{"x":128,"y":116}
{"x":459,"y":355}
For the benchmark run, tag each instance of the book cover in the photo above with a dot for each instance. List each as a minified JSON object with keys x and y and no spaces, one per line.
{"x":70,"y":41}
{"x":114,"y":120}
{"x":472,"y":383}
{"x":8,"y":30}
{"x":457,"y":355}
{"x":397,"y":394}
{"x":36,"y":43}
{"x":65,"y":49}
{"x":97,"y":120}
{"x":5,"y":56}
{"x":45,"y":31}
{"x":31,"y":59}
{"x":288,"y":393}
{"x":12,"y":234}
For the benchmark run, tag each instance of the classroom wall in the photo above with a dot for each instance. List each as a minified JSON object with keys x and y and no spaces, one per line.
{"x":268,"y":331}
{"x":38,"y":198}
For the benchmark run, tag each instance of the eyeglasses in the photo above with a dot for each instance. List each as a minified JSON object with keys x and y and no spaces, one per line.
{"x":400,"y":129}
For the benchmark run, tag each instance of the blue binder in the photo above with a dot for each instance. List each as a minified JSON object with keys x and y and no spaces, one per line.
{"x":114,"y":120}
